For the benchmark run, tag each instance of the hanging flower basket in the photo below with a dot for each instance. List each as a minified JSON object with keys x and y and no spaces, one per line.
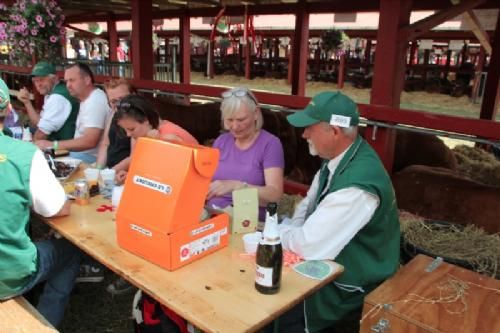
{"x":32,"y":28}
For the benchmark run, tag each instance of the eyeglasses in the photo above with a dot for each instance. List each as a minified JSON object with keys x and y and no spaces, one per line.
{"x":239,"y":93}
{"x":114,"y":102}
{"x":126,"y":107}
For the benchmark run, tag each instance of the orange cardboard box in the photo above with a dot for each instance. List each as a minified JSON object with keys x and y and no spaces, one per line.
{"x":159,"y":213}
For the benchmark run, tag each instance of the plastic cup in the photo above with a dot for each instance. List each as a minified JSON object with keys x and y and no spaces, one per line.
{"x":108,"y":182}
{"x":251,"y":241}
{"x":116,"y":196}
{"x":92,"y":176}
{"x":108,"y":174}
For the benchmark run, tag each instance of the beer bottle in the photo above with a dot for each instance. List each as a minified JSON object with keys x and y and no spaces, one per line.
{"x":269,"y":258}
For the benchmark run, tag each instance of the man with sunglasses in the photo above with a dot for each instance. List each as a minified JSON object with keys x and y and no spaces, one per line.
{"x":91,"y":119}
{"x":57,"y":119}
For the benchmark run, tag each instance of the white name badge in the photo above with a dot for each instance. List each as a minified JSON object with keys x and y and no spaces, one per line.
{"x":340,"y":121}
{"x":153,"y":185}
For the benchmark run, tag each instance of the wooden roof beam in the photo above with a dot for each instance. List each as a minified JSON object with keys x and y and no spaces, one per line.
{"x":475,"y":26}
{"x":413,"y":31}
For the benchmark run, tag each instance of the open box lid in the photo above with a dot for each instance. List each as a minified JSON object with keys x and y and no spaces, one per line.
{"x":167,"y":184}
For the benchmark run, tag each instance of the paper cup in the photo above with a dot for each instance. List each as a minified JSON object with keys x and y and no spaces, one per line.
{"x":251,"y":241}
{"x":108,"y":174}
{"x":116,"y":196}
{"x":91,"y":175}
{"x":108,"y":182}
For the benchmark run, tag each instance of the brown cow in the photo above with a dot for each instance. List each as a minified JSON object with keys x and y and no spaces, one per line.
{"x":439,"y":193}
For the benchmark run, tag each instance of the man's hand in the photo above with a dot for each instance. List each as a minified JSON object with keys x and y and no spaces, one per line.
{"x":44,"y":144}
{"x":24,"y":96}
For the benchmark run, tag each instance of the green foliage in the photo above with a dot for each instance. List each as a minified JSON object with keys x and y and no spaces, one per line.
{"x":334,"y":39}
{"x":32,"y":27}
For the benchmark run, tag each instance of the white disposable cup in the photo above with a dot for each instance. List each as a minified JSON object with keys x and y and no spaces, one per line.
{"x":251,"y":241}
{"x":108,"y":174}
{"x":116,"y":196}
{"x":91,"y":175}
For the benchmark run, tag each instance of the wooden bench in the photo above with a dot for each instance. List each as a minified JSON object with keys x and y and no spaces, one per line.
{"x":17,"y":315}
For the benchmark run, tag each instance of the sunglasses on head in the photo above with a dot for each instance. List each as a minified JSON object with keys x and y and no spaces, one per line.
{"x":239,"y":93}
{"x":126,"y":107}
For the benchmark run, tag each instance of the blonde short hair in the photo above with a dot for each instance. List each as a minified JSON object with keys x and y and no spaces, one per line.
{"x":234,"y":98}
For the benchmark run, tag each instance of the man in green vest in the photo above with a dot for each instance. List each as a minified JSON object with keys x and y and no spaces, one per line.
{"x":28,"y":183}
{"x":57,"y":120}
{"x":349,"y":214}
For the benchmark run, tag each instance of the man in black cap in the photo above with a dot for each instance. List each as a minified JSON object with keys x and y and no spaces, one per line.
{"x":57,"y":119}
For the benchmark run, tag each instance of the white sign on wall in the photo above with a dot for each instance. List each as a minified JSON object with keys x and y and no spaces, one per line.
{"x":425,"y":44}
{"x":456,"y":45}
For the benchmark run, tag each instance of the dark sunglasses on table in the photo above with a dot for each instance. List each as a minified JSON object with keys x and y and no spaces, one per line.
{"x":239,"y":93}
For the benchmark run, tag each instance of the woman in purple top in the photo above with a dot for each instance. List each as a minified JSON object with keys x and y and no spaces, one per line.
{"x":249,"y":155}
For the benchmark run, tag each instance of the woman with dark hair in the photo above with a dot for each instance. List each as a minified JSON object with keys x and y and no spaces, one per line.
{"x":137,"y":116}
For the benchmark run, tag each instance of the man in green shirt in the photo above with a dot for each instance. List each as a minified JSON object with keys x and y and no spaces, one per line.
{"x":57,"y":120}
{"x":349,"y":214}
{"x":28,"y":183}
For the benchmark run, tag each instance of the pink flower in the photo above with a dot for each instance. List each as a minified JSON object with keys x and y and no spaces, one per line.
{"x":39,"y":18}
{"x":22,"y":43}
{"x":34,"y":32}
{"x":34,"y":2}
{"x":53,"y":39}
{"x":41,"y":24}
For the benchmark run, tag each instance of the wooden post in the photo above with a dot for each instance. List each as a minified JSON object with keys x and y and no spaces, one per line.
{"x":491,"y":91}
{"x":300,"y":50}
{"x":248,"y":59}
{"x":478,"y":70}
{"x":425,"y":64}
{"x":112,"y":39}
{"x":210,"y":60}
{"x":340,"y":79}
{"x":142,"y":39}
{"x":185,"y":49}
{"x":290,"y":62}
{"x":388,"y":79}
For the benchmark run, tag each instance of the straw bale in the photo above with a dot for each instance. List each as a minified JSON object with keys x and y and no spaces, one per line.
{"x":469,"y":243}
{"x":478,"y":165}
{"x":288,"y":203}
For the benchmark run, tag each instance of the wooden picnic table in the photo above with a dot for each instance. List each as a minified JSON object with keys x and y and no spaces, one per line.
{"x":215,"y":293}
{"x":19,"y":316}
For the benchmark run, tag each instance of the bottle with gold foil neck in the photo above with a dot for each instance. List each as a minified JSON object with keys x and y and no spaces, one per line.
{"x":269,"y":257}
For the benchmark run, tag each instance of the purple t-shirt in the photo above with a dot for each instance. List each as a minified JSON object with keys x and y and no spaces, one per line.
{"x":246,"y":165}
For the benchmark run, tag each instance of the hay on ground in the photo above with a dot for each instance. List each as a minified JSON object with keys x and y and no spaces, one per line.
{"x":467,"y":243}
{"x":478,"y":165}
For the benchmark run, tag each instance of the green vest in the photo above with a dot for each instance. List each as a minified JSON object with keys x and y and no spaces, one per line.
{"x":18,"y":255}
{"x":67,"y":131}
{"x":373,"y":254}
